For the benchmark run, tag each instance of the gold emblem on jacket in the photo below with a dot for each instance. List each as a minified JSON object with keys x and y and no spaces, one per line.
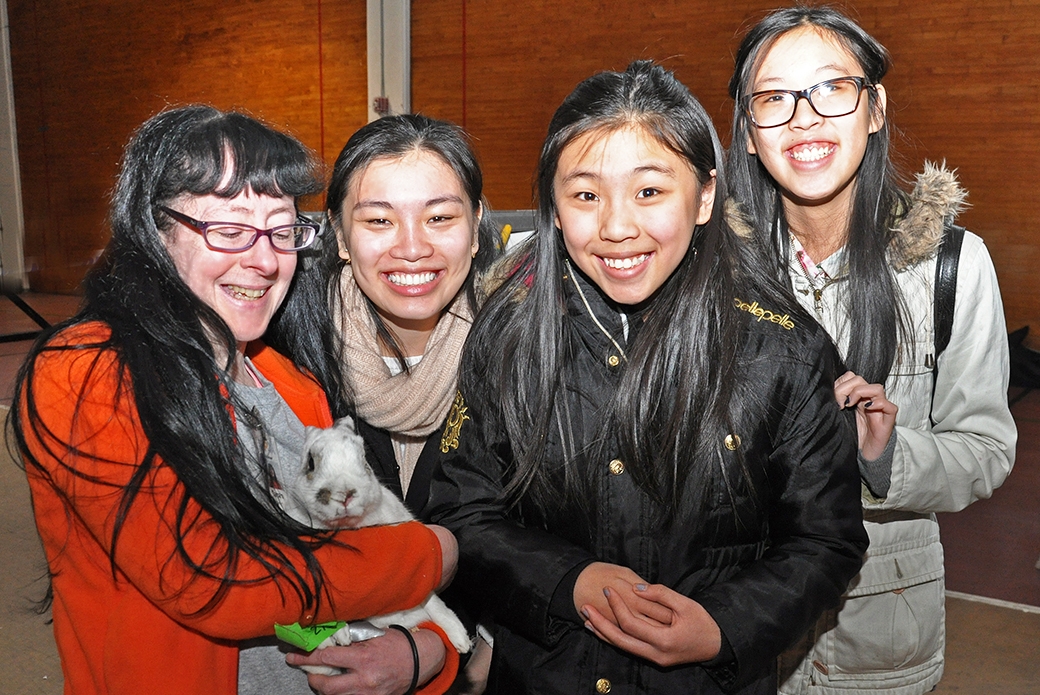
{"x":456,"y":416}
{"x":764,"y":314}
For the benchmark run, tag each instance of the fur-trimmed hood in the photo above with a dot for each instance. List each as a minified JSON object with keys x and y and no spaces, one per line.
{"x":936,"y":200}
{"x":496,"y":276}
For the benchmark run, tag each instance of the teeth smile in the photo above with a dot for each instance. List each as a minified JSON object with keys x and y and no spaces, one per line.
{"x":411,"y":279}
{"x":625,"y":263}
{"x":813,"y":153}
{"x":245,"y":292}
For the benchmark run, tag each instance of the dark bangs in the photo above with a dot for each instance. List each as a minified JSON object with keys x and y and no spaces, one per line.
{"x":261,"y":159}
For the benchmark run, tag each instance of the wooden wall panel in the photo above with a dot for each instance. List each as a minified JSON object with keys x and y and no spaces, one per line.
{"x":965,"y":87}
{"x":522,"y":58}
{"x":87,"y":72}
{"x":967,"y":83}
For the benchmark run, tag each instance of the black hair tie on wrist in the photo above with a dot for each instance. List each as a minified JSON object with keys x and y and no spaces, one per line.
{"x":415,"y":657}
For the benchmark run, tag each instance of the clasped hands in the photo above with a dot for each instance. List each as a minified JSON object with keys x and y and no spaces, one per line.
{"x":647,"y":620}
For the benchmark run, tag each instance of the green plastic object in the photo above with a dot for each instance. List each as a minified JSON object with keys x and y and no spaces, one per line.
{"x":307,"y":638}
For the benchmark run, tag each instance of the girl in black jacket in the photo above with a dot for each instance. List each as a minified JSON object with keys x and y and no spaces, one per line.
{"x":652,"y":486}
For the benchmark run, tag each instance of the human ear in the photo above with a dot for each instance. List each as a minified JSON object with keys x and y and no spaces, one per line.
{"x":751,"y":149}
{"x":877,"y":115}
{"x":707,"y":203}
{"x":341,"y":237}
{"x":475,"y":246}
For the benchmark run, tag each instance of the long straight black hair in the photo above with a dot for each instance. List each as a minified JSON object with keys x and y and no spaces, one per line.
{"x":162,"y":338}
{"x":870,"y":292}
{"x":674,"y":402}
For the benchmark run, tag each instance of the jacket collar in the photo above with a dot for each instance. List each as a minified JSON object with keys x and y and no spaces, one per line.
{"x":598,"y":320}
{"x":303,"y":394}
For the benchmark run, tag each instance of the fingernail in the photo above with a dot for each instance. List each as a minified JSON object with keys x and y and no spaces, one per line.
{"x":868,"y":404}
{"x":584,"y":613}
{"x":640,"y":587}
{"x":847,"y":399}
{"x":606,"y":592}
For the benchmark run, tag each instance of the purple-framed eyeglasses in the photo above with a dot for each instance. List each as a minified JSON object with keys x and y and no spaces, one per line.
{"x":233,"y":237}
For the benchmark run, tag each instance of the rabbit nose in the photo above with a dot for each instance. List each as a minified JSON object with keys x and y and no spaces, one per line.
{"x":350,"y":496}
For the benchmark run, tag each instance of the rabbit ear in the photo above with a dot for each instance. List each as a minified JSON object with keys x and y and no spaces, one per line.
{"x":309,"y":433}
{"x":346,"y":423}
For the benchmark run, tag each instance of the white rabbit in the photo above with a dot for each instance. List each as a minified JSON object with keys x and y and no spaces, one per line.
{"x":335,"y":487}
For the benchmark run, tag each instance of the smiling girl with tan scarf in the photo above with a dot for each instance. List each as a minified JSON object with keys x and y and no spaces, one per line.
{"x":405,"y":204}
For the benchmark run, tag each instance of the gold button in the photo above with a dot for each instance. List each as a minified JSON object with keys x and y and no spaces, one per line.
{"x":617,"y":467}
{"x":603,"y":686}
{"x":613,"y":361}
{"x":732,"y":442}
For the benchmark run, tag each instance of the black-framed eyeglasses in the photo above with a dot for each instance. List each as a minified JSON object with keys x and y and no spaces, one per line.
{"x":830,"y":98}
{"x":233,"y":237}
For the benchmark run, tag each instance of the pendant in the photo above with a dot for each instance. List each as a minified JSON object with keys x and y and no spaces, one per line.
{"x":818,"y":302}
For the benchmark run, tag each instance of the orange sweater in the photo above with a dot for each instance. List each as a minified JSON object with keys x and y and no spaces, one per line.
{"x":138,"y":629}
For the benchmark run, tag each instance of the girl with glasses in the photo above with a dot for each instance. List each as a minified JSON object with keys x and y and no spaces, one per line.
{"x":154,"y":424}
{"x":811,"y":168}
{"x":652,"y":487}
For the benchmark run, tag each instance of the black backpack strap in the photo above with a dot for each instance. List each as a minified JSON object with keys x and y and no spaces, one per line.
{"x":946,"y":262}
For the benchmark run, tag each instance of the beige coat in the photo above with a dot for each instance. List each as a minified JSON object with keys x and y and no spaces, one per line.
{"x":889,"y":636}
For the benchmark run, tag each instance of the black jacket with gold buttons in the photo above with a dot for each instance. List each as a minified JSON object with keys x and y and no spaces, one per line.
{"x":764,"y":579}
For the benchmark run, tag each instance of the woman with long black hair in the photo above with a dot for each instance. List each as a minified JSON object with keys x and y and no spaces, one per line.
{"x":409,"y":239}
{"x":810,"y":164}
{"x":154,"y":425}
{"x":652,"y":487}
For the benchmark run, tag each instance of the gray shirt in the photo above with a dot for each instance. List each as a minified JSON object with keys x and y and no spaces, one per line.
{"x":272,"y":437}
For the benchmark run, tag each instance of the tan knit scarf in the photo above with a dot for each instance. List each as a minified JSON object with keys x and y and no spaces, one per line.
{"x":412,"y":404}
